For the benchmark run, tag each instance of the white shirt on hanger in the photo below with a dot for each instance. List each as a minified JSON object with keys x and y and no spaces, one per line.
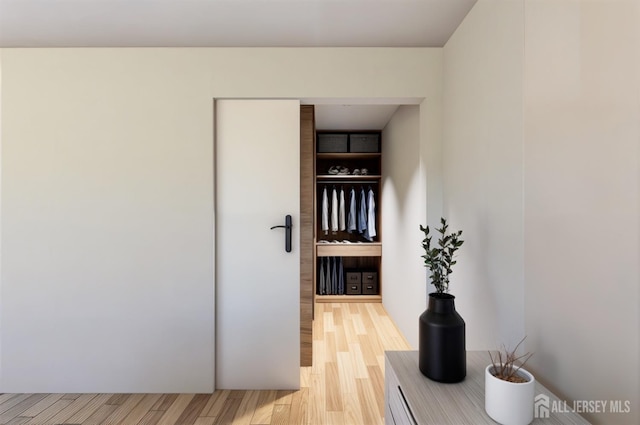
{"x":334,"y":210}
{"x":371,"y":215}
{"x":341,"y":212}
{"x":325,"y":212}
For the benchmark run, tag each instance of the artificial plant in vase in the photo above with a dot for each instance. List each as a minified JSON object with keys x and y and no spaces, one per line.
{"x":442,"y":353}
{"x":509,"y":389}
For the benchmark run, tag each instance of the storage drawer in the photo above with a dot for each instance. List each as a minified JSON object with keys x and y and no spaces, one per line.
{"x":370,"y":278}
{"x":333,"y":142}
{"x":354,"y":288}
{"x":369,"y":288}
{"x":397,"y":410}
{"x":364,"y":142}
{"x":353,"y":277}
{"x":400,"y":411}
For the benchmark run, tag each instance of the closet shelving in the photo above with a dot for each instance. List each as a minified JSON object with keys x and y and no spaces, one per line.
{"x":357,"y":253}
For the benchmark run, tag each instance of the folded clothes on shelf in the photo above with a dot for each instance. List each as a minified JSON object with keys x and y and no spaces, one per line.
{"x":340,"y":170}
{"x":337,"y":169}
{"x":337,"y":241}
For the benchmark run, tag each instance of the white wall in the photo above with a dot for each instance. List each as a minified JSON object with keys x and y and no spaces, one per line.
{"x":107,"y":200}
{"x":541,"y":171}
{"x":412,"y":195}
{"x":582,"y":194}
{"x":403,"y":209}
{"x":0,"y":207}
{"x":106,"y":226}
{"x":431,"y":136}
{"x":482,"y":170}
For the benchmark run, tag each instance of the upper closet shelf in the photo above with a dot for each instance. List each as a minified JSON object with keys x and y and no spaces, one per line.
{"x":347,"y":155}
{"x":367,"y":249}
{"x":348,"y":177}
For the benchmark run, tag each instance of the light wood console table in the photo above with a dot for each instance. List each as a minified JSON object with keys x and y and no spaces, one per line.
{"x":413,"y":399}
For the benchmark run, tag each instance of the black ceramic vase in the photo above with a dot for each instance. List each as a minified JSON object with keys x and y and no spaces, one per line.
{"x":442,"y":353}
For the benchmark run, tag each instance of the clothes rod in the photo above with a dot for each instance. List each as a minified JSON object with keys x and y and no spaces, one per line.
{"x":347,"y":182}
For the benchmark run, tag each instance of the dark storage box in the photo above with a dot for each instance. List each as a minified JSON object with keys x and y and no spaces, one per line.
{"x":353,"y":277}
{"x":364,"y":142}
{"x":333,"y":142}
{"x":354,"y":288}
{"x":369,"y":278}
{"x":370,"y":288}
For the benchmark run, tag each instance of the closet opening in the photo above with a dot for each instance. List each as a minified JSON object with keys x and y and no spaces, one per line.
{"x":344,"y":265}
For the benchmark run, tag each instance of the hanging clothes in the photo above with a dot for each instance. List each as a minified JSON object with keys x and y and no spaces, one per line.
{"x":334,"y":210}
{"x":341,"y":211}
{"x":321,"y":281}
{"x":325,"y":212}
{"x":362,"y":213}
{"x":371,"y":215}
{"x":327,"y":276}
{"x":334,"y":276}
{"x":340,"y":277}
{"x":351,"y":224}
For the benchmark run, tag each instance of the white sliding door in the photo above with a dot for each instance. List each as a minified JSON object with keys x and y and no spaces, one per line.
{"x":257,"y":281}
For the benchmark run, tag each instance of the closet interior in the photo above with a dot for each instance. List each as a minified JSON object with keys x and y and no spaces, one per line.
{"x":348,"y":247}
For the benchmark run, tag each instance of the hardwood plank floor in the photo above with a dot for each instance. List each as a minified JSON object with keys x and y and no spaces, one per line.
{"x":345,"y":386}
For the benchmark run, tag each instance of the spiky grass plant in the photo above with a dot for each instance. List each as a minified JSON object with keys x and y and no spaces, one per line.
{"x":506,"y":363}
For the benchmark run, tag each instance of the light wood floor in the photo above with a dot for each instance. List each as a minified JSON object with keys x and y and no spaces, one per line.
{"x":344,"y":386}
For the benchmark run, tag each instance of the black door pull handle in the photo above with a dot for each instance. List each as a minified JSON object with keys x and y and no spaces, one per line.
{"x":287,"y":234}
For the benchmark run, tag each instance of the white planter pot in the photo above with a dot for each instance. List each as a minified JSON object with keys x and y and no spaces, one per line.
{"x":509,"y":403}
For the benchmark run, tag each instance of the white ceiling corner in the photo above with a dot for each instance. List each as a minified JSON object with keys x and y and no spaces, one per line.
{"x":229,"y":23}
{"x":353,"y":117}
{"x":242,"y":23}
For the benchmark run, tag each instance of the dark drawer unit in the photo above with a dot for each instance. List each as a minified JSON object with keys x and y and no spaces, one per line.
{"x":370,"y":288}
{"x":364,"y":142}
{"x":333,"y":143}
{"x":370,"y":277}
{"x":358,"y":282}
{"x":353,"y":288}
{"x":369,"y":283}
{"x":353,"y":277}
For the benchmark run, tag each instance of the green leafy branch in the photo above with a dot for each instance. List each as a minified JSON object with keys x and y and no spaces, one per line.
{"x":440,"y":259}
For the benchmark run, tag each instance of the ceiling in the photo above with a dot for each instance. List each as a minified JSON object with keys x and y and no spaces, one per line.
{"x":237,"y":23}
{"x":353,"y":117}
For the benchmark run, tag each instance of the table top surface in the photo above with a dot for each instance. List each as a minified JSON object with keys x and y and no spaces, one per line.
{"x":463,"y":403}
